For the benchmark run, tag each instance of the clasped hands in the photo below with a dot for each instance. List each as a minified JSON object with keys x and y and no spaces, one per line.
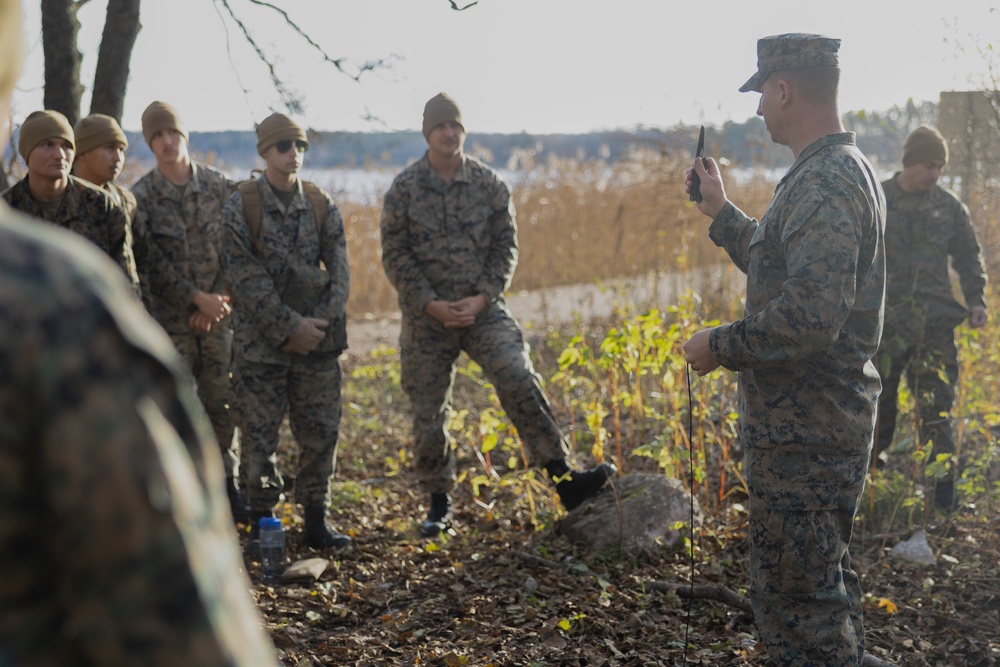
{"x":456,"y":314}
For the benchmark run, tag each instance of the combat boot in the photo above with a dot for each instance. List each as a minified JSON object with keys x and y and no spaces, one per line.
{"x":580,"y":484}
{"x":318,"y":535}
{"x":439,"y":517}
{"x":237,"y":501}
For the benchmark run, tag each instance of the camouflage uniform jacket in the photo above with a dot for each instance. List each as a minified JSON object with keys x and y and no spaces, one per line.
{"x":921,"y":231}
{"x":815,"y":270}
{"x":115,"y":538}
{"x":448,"y":241}
{"x":85,"y":209}
{"x":125,"y":200}
{"x":183,"y":241}
{"x":272,"y":264}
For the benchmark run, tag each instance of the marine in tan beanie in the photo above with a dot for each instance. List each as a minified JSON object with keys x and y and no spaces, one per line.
{"x":96,"y":130}
{"x":439,"y":109}
{"x":277,"y":128}
{"x":924,"y":144}
{"x":924,"y":155}
{"x":100,"y":149}
{"x":42,"y":125}
{"x":161,"y":116}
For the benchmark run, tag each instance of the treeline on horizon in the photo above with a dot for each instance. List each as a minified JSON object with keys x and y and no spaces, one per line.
{"x":746,"y":144}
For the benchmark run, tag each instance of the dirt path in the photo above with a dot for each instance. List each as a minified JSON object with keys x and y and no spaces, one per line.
{"x":559,"y":306}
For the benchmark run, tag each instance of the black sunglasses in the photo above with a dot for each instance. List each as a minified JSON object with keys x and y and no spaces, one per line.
{"x":285,"y":144}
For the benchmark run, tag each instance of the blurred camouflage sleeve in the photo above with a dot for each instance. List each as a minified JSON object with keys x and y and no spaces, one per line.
{"x":498,"y":269}
{"x":253,"y":288}
{"x":400,"y":264}
{"x":821,"y":245}
{"x":122,"y":549}
{"x":732,"y":230}
{"x":967,"y":259}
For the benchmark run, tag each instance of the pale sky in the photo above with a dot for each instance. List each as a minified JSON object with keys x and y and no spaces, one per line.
{"x":541,"y":66}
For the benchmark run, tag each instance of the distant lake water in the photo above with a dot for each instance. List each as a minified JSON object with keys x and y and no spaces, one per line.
{"x":368,"y":186}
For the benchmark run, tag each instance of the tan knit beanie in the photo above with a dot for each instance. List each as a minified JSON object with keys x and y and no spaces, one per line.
{"x":439,"y":109}
{"x":42,"y":125}
{"x":97,"y":130}
{"x":160,"y":116}
{"x":278,"y":127}
{"x":924,"y":144}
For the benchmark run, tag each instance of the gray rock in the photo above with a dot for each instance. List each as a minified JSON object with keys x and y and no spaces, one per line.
{"x":916,"y":550}
{"x":638,"y":513}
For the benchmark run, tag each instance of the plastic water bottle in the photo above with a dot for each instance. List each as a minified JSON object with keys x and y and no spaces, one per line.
{"x":272,"y":547}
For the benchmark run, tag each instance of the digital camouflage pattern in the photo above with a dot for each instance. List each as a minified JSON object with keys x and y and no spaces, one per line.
{"x":269,"y":273}
{"x":791,"y":51}
{"x":924,"y":230}
{"x":181,"y":231}
{"x":450,"y":242}
{"x":185,"y":238}
{"x":115,"y":536}
{"x":815,"y":277}
{"x":86,"y":210}
{"x":124,"y":199}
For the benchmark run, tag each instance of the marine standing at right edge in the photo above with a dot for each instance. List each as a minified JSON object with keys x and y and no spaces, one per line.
{"x":807,"y":387}
{"x":925,"y":225}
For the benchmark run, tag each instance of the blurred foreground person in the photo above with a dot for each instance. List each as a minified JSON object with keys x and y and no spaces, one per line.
{"x":807,"y":387}
{"x":100,"y":157}
{"x":926,"y":226}
{"x":115,"y":544}
{"x":449,"y":247}
{"x":286,"y":257}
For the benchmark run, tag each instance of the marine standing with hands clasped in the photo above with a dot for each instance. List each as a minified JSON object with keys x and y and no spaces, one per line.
{"x":926,"y":225}
{"x":807,"y":387}
{"x":180,"y":218}
{"x":449,"y":247}
{"x":285,"y":253}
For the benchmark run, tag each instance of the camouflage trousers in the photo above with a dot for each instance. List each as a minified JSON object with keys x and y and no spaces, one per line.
{"x":308,"y":391}
{"x":930,"y":365}
{"x":806,"y":598}
{"x":209,"y":356}
{"x":428,"y":356}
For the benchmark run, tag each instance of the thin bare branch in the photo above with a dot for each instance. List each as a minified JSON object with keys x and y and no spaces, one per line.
{"x":288,"y":98}
{"x":336,"y":62}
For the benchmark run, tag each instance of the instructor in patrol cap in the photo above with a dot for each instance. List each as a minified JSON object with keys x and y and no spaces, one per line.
{"x":807,"y":387}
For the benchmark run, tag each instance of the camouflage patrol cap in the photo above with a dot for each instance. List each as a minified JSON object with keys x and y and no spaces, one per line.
{"x":42,"y":125}
{"x":791,"y":51}
{"x":97,"y":130}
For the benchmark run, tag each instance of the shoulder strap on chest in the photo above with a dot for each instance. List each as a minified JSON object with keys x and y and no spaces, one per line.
{"x":317,"y":198}
{"x":251,"y":206}
{"x":254,"y":215}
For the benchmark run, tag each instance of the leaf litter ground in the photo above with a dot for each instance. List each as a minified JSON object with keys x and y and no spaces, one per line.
{"x":504,"y":588}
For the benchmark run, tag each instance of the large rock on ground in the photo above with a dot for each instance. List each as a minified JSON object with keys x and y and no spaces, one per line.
{"x":635,"y":513}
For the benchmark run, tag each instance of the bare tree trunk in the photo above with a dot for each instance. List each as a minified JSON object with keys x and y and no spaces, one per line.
{"x":121,"y":27}
{"x":62,"y":57}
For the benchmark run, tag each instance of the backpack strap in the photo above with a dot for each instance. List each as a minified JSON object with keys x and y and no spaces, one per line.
{"x":254,"y":215}
{"x":317,"y":198}
{"x":251,"y":206}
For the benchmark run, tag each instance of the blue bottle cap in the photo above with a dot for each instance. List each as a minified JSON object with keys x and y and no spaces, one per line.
{"x":269,"y":522}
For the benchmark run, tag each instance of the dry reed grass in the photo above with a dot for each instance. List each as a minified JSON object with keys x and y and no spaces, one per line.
{"x":578,"y":222}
